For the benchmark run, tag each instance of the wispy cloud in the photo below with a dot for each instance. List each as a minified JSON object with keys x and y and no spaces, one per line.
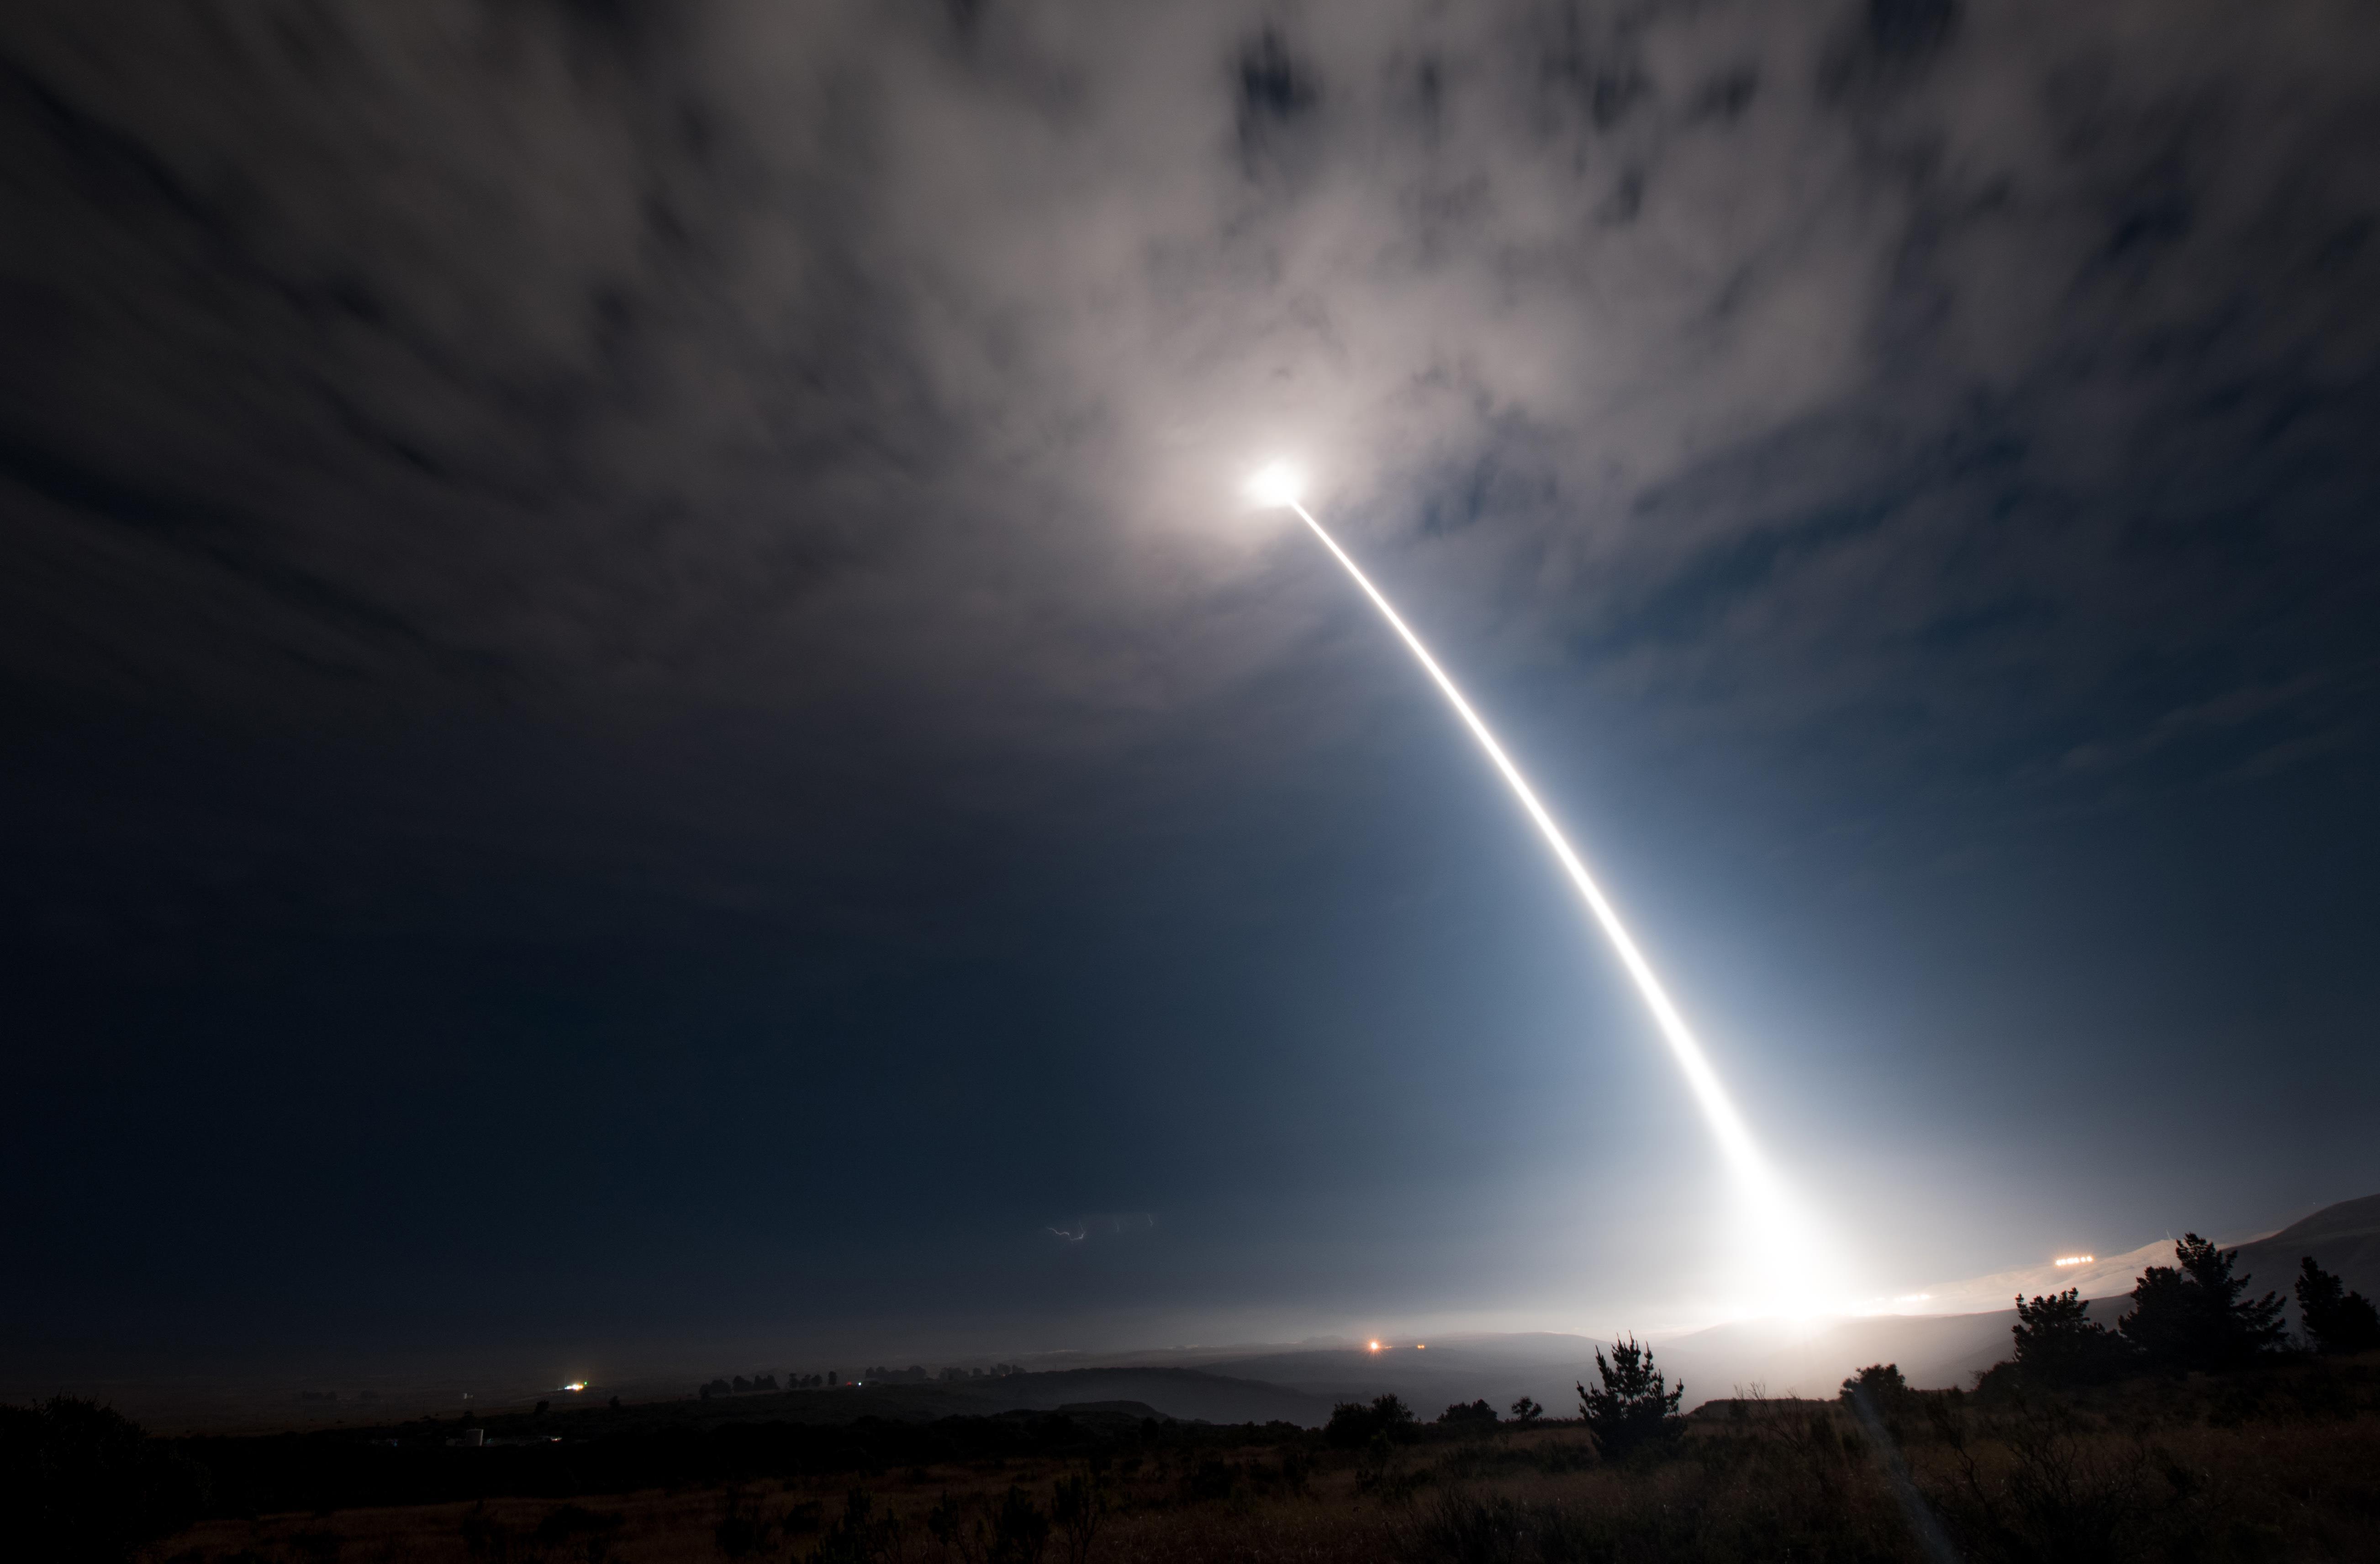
{"x":1790,"y":365}
{"x":1082,"y":1230}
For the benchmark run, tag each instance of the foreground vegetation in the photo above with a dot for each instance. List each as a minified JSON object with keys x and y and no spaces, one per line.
{"x":2194,"y":1434}
{"x":2281,"y":1462}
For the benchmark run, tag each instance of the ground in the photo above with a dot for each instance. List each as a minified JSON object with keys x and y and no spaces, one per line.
{"x":2280,"y":1463}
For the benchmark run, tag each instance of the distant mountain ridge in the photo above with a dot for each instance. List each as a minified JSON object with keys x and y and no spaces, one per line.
{"x":2344,"y":1238}
{"x":1189,"y":1394}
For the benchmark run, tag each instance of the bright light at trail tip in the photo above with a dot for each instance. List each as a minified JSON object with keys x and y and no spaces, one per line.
{"x":1277,"y":484}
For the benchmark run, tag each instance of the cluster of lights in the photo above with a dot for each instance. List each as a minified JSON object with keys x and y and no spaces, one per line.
{"x":2064,"y":1260}
{"x":1389,"y":1346}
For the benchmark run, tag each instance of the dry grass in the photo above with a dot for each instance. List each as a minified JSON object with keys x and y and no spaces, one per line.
{"x":2146,"y":1473}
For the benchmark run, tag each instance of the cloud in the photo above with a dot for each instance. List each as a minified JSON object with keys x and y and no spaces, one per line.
{"x":1784,"y":367}
{"x":1082,"y":1230}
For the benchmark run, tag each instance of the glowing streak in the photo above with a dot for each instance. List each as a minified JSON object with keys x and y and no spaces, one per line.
{"x":1727,"y":1125}
{"x":2074,"y":1259}
{"x":1781,"y":1238}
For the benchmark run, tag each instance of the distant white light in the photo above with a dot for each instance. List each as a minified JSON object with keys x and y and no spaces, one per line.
{"x":1277,"y":484}
{"x":2074,"y":1259}
{"x":575,"y":1385}
{"x":1376,"y":1346}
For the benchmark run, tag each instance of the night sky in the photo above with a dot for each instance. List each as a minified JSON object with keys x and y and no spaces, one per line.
{"x":637,"y":704}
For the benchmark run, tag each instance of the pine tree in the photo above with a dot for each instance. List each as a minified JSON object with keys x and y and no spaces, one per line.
{"x":1883,"y":1385}
{"x":2338,"y":1320}
{"x":2192,"y":1316}
{"x":1634,"y":1405}
{"x":2058,"y":1343}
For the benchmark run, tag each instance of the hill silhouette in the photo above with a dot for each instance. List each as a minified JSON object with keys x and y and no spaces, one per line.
{"x":1188,"y":1394}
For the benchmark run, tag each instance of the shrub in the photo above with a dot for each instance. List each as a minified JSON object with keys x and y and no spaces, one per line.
{"x":2192,"y":1315}
{"x":1354,"y":1424}
{"x":1020,"y":1531}
{"x":1077,"y":1504}
{"x":2062,"y":1490}
{"x":1634,"y":1406}
{"x":2058,"y":1343}
{"x":1881,"y":1383}
{"x":861,"y":1536}
{"x":79,"y":1481}
{"x":1210,"y":1482}
{"x":2338,"y":1320}
{"x":1464,"y":1529}
{"x":575,"y":1520}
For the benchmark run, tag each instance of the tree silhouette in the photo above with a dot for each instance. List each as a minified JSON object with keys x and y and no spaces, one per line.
{"x":1634,"y":1405}
{"x":862,"y":1537}
{"x":2192,"y":1316}
{"x":2058,"y":1343}
{"x":1882,"y":1383}
{"x":2340,"y":1321}
{"x":1353,"y":1425}
{"x":80,"y":1483}
{"x":1526,"y":1412}
{"x":1020,"y":1531}
{"x":1077,"y":1504}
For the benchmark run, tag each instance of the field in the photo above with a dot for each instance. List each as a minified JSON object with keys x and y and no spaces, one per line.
{"x":2280,"y":1462}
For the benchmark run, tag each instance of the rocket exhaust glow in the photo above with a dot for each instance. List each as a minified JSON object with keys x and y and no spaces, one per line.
{"x":1779,"y":1229}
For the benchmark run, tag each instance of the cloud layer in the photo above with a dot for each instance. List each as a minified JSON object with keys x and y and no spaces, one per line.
{"x":743,"y":354}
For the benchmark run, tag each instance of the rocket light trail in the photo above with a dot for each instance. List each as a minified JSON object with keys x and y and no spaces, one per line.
{"x":1779,"y":1225}
{"x":1727,"y":1125}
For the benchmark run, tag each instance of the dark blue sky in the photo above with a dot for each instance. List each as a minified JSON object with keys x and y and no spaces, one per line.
{"x":638,"y":708}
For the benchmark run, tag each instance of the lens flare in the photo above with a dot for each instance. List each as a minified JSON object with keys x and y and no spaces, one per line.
{"x":1779,"y":1238}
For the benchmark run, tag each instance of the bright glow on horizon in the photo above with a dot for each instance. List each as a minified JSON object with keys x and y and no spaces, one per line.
{"x":1786,"y":1260}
